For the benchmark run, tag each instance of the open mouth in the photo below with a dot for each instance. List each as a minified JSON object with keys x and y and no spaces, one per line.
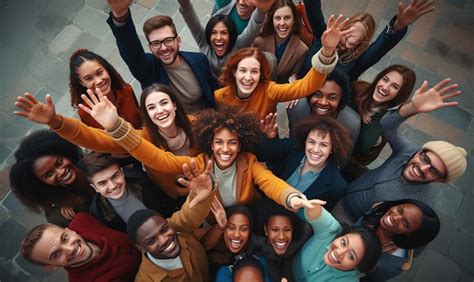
{"x":219,"y":46}
{"x":381,"y":92}
{"x":416,"y":171}
{"x":235,"y":244}
{"x":163,"y":117}
{"x":171,"y":245}
{"x":66,"y":177}
{"x":77,"y":252}
{"x":224,"y":157}
{"x":388,"y":221}
{"x":333,"y":257}
{"x":281,"y":245}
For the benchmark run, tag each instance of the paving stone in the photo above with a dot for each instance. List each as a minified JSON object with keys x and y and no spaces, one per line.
{"x":59,"y":80}
{"x":115,"y":59}
{"x":14,"y":205}
{"x":12,"y":233}
{"x":419,"y":137}
{"x":449,"y":199}
{"x":167,"y":7}
{"x":180,"y":24}
{"x":454,"y":116}
{"x":466,"y":277}
{"x":147,"y":3}
{"x":462,"y":251}
{"x":97,"y":4}
{"x":86,"y":40}
{"x":32,"y":269}
{"x":464,"y":215}
{"x":64,"y":40}
{"x":86,"y":17}
{"x":429,"y":272}
{"x":465,"y":182}
{"x":42,"y":70}
{"x":138,"y":13}
{"x":99,"y":27}
{"x":448,"y":229}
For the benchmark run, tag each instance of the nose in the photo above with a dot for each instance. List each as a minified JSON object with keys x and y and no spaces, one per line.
{"x":281,"y":235}
{"x":323,"y":101}
{"x":425,"y":167}
{"x":60,"y":171}
{"x":225,"y":147}
{"x":385,"y":86}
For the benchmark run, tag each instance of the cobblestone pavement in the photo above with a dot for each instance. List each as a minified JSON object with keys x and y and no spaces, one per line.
{"x":40,"y":35}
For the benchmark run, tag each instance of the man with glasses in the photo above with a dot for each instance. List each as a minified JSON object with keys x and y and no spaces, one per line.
{"x":410,"y":171}
{"x":187,"y":73}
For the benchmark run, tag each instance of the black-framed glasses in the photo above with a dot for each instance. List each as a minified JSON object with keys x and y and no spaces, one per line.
{"x":168,"y":42}
{"x":433,"y":170}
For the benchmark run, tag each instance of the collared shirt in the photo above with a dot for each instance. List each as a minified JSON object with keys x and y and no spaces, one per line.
{"x":302,"y":182}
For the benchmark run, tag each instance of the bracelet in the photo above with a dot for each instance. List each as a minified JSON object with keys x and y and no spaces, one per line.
{"x":122,"y":18}
{"x":290,"y":197}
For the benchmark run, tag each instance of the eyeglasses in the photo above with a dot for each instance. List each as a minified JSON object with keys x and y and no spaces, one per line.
{"x":433,"y":170}
{"x":168,"y":42}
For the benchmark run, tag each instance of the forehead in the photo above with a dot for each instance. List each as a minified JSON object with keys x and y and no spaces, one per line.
{"x":88,"y":66}
{"x":150,"y":227}
{"x":105,"y":173}
{"x":330,"y":87}
{"x":156,"y":96}
{"x":283,"y":11}
{"x":248,"y":273}
{"x":249,"y":63}
{"x":48,"y":242}
{"x":318,"y":135}
{"x":225,"y":134}
{"x":239,"y":219}
{"x":161,"y":33}
{"x":356,"y":243}
{"x":279,"y":220}
{"x":219,"y":26}
{"x":44,"y":163}
{"x":358,"y":29}
{"x":395,"y":76}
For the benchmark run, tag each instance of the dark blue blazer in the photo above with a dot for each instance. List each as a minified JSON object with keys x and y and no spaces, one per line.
{"x":283,"y":159}
{"x":148,"y":70}
{"x":384,"y":43}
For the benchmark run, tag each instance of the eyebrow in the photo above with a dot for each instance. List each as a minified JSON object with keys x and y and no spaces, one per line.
{"x":348,"y":243}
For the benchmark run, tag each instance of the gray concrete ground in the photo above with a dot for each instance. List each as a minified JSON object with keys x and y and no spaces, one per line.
{"x":39,"y":36}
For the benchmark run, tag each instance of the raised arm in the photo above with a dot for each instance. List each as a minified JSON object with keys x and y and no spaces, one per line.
{"x":212,"y":236}
{"x":193,"y":22}
{"x":315,"y":17}
{"x":255,"y":24}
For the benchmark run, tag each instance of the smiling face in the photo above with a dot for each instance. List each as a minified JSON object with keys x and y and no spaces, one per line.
{"x":237,"y":233}
{"x":158,"y":238}
{"x":166,"y":54}
{"x":352,"y":39}
{"x":318,"y":147}
{"x":283,"y":21}
{"x":244,"y":9}
{"x":325,"y":101}
{"x":161,"y":110}
{"x":220,"y":39}
{"x":424,"y":167}
{"x":279,"y":231}
{"x":109,"y":182}
{"x":55,"y":170}
{"x":247,"y":77}
{"x":62,"y":247}
{"x":346,"y":252}
{"x":93,"y":75}
{"x":387,"y":88}
{"x":225,"y":147}
{"x":402,"y":219}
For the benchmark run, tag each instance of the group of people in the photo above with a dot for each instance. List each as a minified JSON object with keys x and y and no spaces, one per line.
{"x":192,"y":181}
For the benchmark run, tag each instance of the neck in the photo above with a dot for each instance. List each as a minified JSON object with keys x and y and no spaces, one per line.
{"x":177,"y":62}
{"x":384,"y":235}
{"x":169,"y":132}
{"x":308,"y":167}
{"x":279,"y":40}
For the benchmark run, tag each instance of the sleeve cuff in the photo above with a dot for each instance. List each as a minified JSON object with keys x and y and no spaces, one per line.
{"x":323,"y":64}
{"x":125,"y":135}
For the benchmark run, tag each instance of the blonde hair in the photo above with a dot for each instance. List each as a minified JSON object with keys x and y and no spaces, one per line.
{"x":369,"y":24}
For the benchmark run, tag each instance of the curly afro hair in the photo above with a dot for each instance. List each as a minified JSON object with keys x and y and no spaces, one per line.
{"x":245,"y":125}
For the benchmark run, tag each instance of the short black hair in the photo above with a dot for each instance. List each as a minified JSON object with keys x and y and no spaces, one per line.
{"x":137,"y":219}
{"x":247,"y":261}
{"x":95,"y":162}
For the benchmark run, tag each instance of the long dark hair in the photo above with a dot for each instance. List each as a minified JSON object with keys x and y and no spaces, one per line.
{"x":75,"y":86}
{"x":269,"y":29}
{"x":428,"y":230}
{"x":36,"y":195}
{"x":181,"y":119}
{"x":231,"y":29}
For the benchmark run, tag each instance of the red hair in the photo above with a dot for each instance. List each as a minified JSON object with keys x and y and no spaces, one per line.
{"x":227,"y":77}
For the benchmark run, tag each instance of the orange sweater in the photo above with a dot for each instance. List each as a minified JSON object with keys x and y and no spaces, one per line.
{"x":267,"y":95}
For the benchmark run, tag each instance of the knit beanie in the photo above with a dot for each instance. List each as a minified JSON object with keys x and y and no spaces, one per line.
{"x":453,"y":157}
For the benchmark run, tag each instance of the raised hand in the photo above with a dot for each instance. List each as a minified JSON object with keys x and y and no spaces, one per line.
{"x":428,"y":99}
{"x":100,"y":108}
{"x":199,"y":185}
{"x":269,"y":126}
{"x":68,"y":213}
{"x":35,"y":110}
{"x":219,"y":213}
{"x":333,"y":34}
{"x":119,"y":7}
{"x":409,"y":14}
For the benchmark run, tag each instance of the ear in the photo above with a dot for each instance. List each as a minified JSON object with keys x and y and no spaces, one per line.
{"x":140,"y":248}
{"x":50,"y":267}
{"x":265,"y":230}
{"x":92,"y":185}
{"x":179,"y":41}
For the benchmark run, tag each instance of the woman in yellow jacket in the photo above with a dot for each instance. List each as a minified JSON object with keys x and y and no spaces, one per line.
{"x":223,"y":134}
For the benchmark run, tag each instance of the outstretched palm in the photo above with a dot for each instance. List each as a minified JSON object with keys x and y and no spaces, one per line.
{"x":100,"y":108}
{"x":332,"y":35}
{"x":35,"y":110}
{"x":199,"y":185}
{"x":428,"y":99}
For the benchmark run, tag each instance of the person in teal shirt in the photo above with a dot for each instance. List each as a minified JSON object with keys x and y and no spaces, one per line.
{"x":239,"y":11}
{"x":334,"y":253}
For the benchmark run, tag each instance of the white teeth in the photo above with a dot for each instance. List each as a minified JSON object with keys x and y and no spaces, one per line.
{"x":224,"y":157}
{"x":334,"y":257}
{"x":170,"y":246}
{"x":389,"y":220}
{"x":281,"y":245}
{"x":416,"y":171}
{"x":380,"y":91}
{"x":235,"y":243}
{"x":163,"y":117}
{"x":322,"y":109}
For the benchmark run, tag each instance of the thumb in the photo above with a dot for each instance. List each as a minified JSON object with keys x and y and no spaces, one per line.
{"x":49,"y":100}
